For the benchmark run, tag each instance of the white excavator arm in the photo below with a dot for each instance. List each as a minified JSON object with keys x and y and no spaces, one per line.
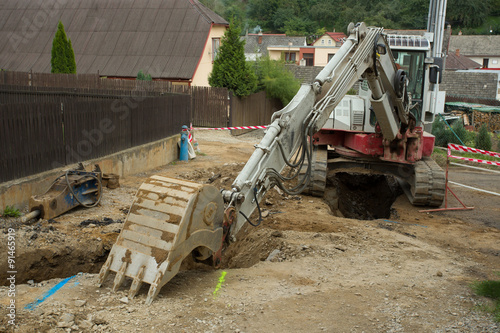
{"x":171,"y":219}
{"x":365,"y":54}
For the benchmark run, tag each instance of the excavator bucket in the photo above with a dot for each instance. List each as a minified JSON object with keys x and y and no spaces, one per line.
{"x":168,"y":219}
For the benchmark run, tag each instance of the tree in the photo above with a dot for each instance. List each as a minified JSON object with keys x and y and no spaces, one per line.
{"x":276,"y":79}
{"x":461,"y":135}
{"x":230,"y":69}
{"x":483,"y":139}
{"x":63,"y":56}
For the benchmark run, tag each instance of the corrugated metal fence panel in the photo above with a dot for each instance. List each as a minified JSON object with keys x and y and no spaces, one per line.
{"x":253,"y":110}
{"x":31,"y":139}
{"x":94,"y":129}
{"x":159,"y":117}
{"x":210,"y":107}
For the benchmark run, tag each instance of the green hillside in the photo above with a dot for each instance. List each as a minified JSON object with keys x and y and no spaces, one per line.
{"x":313,"y":17}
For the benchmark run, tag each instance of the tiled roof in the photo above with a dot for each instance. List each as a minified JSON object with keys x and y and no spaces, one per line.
{"x":476,"y":45}
{"x":336,"y":36}
{"x":113,"y":37}
{"x":457,"y":62}
{"x":252,"y":42}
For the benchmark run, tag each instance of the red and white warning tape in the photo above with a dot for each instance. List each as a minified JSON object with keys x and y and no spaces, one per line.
{"x":191,"y":128}
{"x":472,"y":150}
{"x":229,"y":128}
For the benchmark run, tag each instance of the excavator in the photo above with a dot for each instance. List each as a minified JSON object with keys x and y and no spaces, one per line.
{"x":171,"y":219}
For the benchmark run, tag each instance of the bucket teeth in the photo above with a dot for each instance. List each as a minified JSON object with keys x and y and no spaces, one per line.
{"x":167,"y":221}
{"x":154,"y":289}
{"x":136,"y":283}
{"x":120,"y":276}
{"x":103,"y":274}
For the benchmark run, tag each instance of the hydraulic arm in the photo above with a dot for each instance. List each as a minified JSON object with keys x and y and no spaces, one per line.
{"x":365,"y":54}
{"x":171,"y":219}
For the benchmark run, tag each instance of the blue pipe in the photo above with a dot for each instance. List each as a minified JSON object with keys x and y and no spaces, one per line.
{"x":184,"y":156}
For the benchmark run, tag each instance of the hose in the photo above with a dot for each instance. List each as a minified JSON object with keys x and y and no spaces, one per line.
{"x":258,"y":208}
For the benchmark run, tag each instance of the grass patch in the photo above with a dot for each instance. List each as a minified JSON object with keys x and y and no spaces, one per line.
{"x":11,"y":212}
{"x":490,"y":289}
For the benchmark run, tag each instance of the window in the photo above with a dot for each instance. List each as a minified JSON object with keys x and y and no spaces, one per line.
{"x":290,"y":56}
{"x":322,"y":42}
{"x":309,"y":58}
{"x":330,"y":56}
{"x":329,"y":42}
{"x":486,"y":62}
{"x":215,"y":47}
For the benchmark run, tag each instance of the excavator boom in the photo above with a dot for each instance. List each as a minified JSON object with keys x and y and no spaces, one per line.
{"x":171,"y":218}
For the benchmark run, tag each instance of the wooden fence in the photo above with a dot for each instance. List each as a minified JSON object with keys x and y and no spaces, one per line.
{"x":210,"y":107}
{"x":31,"y":139}
{"x":36,"y":137}
{"x":46,"y":127}
{"x":252,"y":110}
{"x":86,"y":81}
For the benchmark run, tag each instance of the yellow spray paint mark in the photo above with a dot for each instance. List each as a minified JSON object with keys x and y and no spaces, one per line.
{"x":221,"y":281}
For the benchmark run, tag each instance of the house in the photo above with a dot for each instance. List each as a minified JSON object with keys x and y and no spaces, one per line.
{"x":323,"y":49}
{"x":483,"y":49}
{"x":335,"y":39}
{"x":172,"y":40}
{"x":276,"y":46}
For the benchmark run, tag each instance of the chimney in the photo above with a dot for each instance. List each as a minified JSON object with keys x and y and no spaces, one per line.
{"x":260,"y":37}
{"x":457,"y":52}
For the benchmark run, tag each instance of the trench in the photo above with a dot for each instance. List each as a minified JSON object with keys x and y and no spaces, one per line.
{"x":361,"y":196}
{"x":54,"y":254}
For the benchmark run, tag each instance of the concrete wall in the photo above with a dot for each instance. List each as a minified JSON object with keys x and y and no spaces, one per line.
{"x":482,"y":85}
{"x":127,"y":162}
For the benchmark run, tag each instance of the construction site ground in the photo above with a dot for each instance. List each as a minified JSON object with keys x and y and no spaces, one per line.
{"x":304,"y":269}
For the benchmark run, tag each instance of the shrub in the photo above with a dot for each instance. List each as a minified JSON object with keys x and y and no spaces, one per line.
{"x":441,"y":132}
{"x":483,"y":138}
{"x":461,"y":134}
{"x":144,"y":77}
{"x":11,"y":212}
{"x":275,"y":79}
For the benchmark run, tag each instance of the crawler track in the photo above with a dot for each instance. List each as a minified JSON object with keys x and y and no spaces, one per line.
{"x":428,"y":184}
{"x":319,"y":170}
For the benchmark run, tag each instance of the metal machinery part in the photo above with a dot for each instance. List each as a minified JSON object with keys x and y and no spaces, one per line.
{"x":171,"y":219}
{"x":319,"y":170}
{"x":75,"y":188}
{"x":167,"y":221}
{"x":421,"y":57}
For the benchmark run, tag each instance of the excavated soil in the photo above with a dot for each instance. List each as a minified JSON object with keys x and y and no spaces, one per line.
{"x":306,"y":268}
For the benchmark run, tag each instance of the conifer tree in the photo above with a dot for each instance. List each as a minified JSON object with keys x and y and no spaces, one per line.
{"x":230,"y":69}
{"x":483,"y":138}
{"x":63,"y":56}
